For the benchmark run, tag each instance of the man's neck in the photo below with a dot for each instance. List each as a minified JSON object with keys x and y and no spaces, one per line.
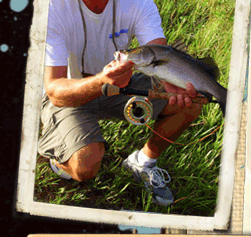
{"x":96,"y":6}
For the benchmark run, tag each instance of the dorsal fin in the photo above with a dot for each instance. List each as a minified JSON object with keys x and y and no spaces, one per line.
{"x":211,"y":64}
{"x":180,"y":45}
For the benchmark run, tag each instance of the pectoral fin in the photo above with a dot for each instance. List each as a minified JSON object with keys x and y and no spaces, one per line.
{"x":180,"y":45}
{"x":157,"y":84}
{"x":157,"y":63}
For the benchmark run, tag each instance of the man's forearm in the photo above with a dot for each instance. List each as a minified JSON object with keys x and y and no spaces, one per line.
{"x":74,"y":92}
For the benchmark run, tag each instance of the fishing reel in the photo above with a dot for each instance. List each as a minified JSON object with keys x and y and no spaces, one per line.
{"x":138,"y":110}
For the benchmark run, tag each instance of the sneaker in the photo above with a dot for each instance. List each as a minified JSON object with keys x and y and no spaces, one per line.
{"x":59,"y":171}
{"x":153,"y":177}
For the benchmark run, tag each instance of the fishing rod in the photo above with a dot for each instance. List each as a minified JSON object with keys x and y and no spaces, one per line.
{"x":139,"y":109}
{"x":109,"y":90}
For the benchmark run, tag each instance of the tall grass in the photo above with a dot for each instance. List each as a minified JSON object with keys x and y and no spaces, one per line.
{"x":206,"y":27}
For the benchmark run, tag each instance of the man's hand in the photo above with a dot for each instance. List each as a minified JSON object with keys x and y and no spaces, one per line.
{"x":184,"y":97}
{"x":117,"y":74}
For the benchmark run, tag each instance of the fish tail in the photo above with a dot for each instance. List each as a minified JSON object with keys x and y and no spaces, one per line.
{"x":223,"y":100}
{"x":223,"y":107}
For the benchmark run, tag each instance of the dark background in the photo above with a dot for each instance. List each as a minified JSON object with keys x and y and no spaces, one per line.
{"x":14,"y":32}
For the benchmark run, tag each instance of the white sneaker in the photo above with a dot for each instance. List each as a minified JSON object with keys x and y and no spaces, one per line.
{"x":153,"y":177}
{"x":59,"y":171}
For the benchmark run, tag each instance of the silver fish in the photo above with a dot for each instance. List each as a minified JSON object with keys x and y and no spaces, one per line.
{"x":171,"y":65}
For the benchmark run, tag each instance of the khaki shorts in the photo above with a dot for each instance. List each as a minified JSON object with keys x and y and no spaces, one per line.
{"x":67,"y":129}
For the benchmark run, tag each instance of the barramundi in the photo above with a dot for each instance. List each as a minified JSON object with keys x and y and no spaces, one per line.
{"x":176,"y":67}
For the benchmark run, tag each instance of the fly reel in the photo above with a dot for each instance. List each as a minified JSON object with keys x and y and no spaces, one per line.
{"x":138,"y":110}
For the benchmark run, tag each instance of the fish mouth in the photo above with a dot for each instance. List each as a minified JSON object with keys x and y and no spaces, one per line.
{"x":120,"y":56}
{"x":117,"y":56}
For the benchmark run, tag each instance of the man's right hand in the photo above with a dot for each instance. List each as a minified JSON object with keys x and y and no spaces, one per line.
{"x":117,"y":74}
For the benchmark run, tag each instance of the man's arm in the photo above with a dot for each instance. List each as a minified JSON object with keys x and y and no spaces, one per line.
{"x":74,"y":92}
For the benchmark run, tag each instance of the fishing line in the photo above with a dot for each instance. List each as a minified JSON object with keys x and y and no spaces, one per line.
{"x":113,"y":27}
{"x":178,"y":200}
{"x":85,"y":32}
{"x":180,"y":143}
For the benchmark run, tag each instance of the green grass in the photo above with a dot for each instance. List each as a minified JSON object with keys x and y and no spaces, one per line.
{"x":206,"y":27}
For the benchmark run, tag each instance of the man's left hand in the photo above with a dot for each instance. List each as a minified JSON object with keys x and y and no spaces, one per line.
{"x":184,"y":97}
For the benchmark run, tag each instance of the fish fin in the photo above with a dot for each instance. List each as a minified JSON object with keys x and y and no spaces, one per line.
{"x":212,"y":65}
{"x":157,"y":84}
{"x":221,"y":101}
{"x":223,"y":108}
{"x":180,"y":45}
{"x":207,"y":95}
{"x":156,"y":63}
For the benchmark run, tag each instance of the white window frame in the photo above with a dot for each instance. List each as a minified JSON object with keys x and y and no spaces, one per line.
{"x":30,"y":130}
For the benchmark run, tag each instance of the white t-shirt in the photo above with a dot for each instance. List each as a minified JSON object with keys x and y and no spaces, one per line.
{"x":65,"y":34}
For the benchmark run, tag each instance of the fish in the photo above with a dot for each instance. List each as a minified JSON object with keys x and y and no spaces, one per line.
{"x":166,"y":63}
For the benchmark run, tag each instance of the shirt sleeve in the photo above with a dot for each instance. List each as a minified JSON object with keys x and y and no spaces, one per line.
{"x":148,"y":23}
{"x":56,"y":53}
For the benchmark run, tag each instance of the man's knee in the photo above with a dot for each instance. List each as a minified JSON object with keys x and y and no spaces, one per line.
{"x":85,"y":163}
{"x":190,"y":114}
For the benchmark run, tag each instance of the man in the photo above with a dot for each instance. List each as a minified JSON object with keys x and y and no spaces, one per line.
{"x":71,"y":108}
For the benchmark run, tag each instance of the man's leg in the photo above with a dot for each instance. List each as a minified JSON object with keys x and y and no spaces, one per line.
{"x":72,"y":140}
{"x":143,"y":163}
{"x":174,"y":122}
{"x":84,"y":164}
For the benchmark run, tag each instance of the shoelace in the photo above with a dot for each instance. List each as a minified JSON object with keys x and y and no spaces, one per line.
{"x":157,"y":177}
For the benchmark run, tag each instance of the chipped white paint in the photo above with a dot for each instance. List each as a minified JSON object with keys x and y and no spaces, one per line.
{"x":236,"y":85}
{"x":30,"y":127}
{"x":122,"y":217}
{"x":32,"y":104}
{"x":247,"y":187}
